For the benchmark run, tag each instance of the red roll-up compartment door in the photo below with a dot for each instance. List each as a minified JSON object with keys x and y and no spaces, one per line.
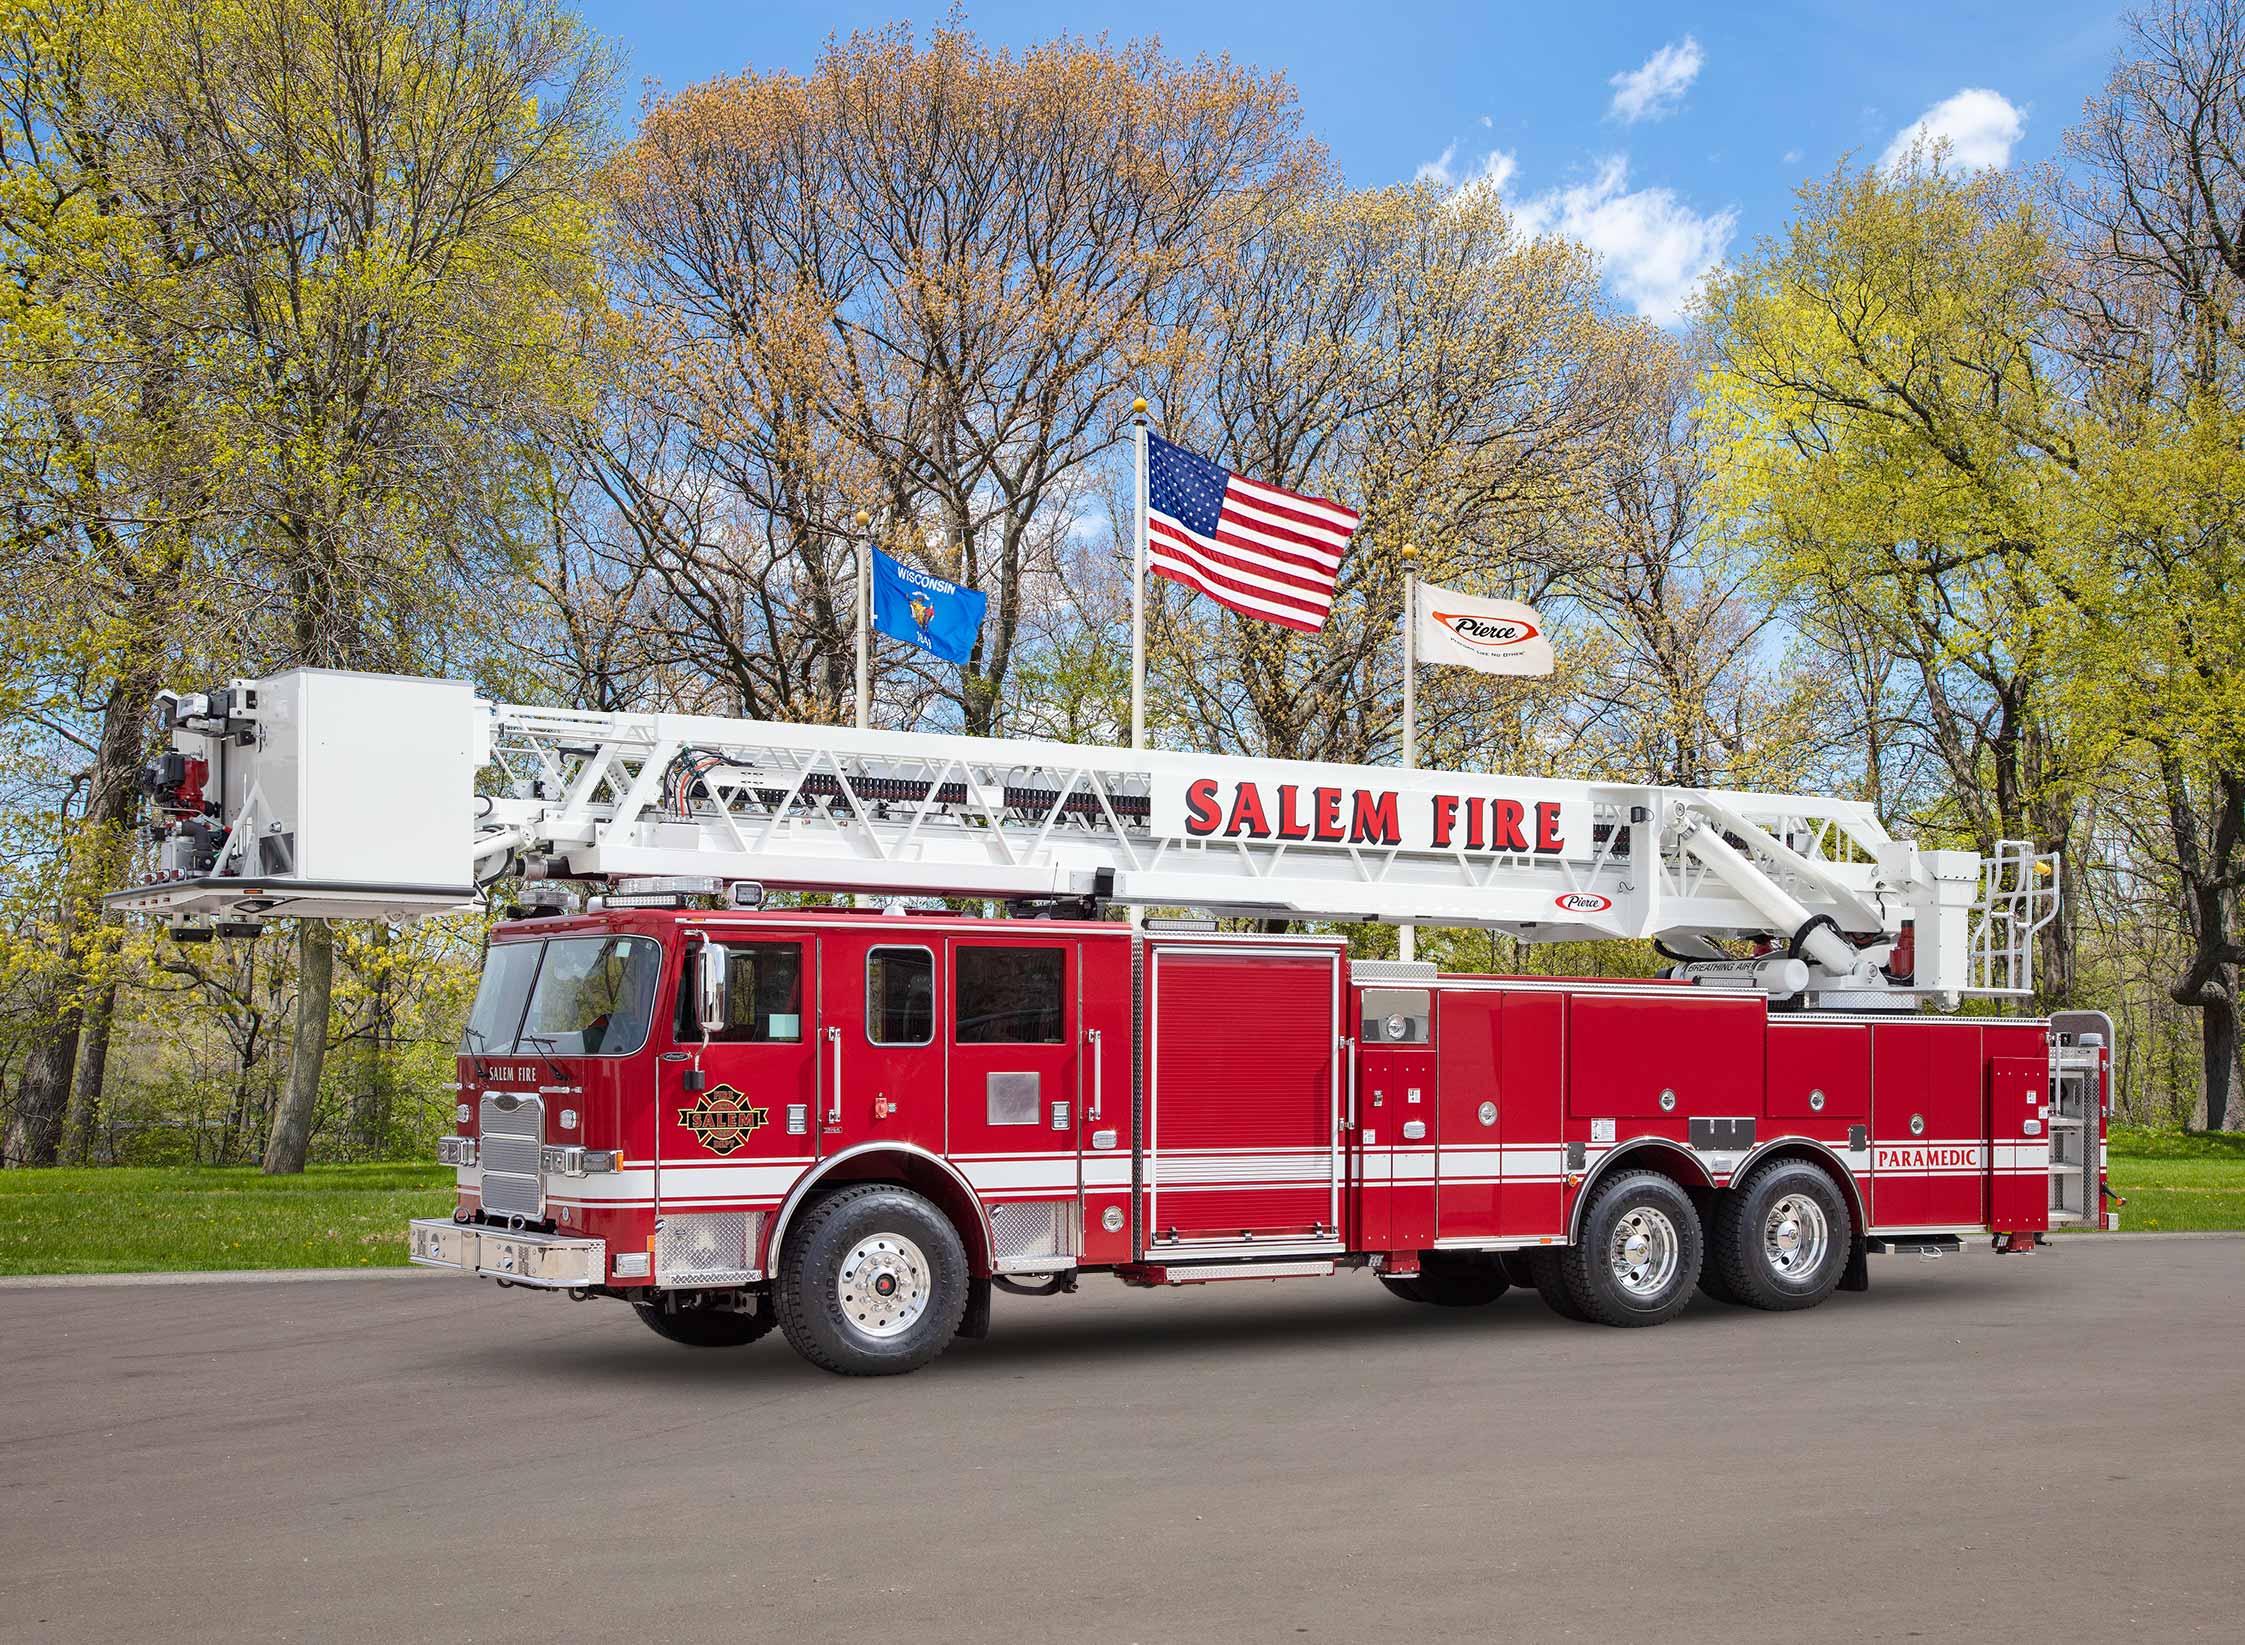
{"x":1242,"y":1096}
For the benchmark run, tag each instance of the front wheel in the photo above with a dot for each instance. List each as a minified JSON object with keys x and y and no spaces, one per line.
{"x":873,"y":1282}
{"x":1639,"y":1254}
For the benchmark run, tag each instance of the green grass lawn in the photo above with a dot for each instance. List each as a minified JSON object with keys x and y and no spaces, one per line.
{"x":2178,"y":1180}
{"x":129,"y":1219}
{"x":141,"y":1220}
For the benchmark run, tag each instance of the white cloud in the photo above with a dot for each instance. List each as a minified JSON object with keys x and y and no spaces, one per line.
{"x":1486,"y":121}
{"x":1792,"y":157}
{"x":1653,"y":91}
{"x":1977,"y":125}
{"x":1438,"y":169}
{"x":1494,"y":171}
{"x":1655,"y":247}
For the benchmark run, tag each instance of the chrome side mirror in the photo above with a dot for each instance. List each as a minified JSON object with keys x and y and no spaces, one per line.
{"x":710,"y":977}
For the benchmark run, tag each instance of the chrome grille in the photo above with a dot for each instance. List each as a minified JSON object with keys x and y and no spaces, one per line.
{"x":708,"y":1247}
{"x":513,"y":1139}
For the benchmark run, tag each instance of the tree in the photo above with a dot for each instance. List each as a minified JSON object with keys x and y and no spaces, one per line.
{"x":1892,"y":432}
{"x":367,"y":239}
{"x":918,"y":281}
{"x":2156,"y":206}
{"x":113,"y":480}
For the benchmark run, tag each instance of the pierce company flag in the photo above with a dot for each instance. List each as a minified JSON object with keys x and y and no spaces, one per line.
{"x":1494,"y":636}
{"x":1264,"y":552}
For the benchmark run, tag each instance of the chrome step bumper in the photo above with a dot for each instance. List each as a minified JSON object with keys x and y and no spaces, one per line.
{"x":548,"y":1260}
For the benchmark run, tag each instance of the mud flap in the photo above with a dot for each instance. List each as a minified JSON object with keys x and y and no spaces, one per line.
{"x":975,"y":1322}
{"x":1858,"y":1274}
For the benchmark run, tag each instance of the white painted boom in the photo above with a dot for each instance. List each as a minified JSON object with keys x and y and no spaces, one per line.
{"x":349,"y":795}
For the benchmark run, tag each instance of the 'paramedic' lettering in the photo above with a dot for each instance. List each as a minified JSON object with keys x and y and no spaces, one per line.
{"x":1921,"y":1157}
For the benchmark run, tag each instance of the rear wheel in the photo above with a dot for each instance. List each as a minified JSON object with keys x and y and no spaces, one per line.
{"x":1638,"y":1256}
{"x":705,"y":1327}
{"x":873,"y":1282}
{"x":1407,"y":1289}
{"x":1782,"y":1237}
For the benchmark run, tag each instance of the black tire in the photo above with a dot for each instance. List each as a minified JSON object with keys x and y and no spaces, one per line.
{"x":1407,"y":1289}
{"x":1460,"y":1280}
{"x":901,"y":1240}
{"x":1754,"y":1266}
{"x":1543,"y":1265}
{"x":1712,"y":1285}
{"x":1632,"y":1205}
{"x":706,"y":1327}
{"x":1519,"y":1267}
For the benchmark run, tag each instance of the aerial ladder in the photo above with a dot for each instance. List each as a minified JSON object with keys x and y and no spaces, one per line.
{"x":327,"y":794}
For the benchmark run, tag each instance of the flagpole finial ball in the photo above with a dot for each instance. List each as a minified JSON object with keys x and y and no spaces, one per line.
{"x":1138,"y":408}
{"x":1410,"y":551}
{"x":863,"y":519}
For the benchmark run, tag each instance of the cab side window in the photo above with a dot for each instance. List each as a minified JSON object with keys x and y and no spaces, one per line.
{"x":900,"y":996}
{"x":1009,"y":996}
{"x":763,"y":995}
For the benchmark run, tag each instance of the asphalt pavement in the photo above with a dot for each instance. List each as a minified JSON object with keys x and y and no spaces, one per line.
{"x":2027,"y":1448}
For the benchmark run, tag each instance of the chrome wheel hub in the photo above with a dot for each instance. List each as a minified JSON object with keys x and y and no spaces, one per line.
{"x":1795,"y":1236}
{"x":1644,"y":1251}
{"x":883,"y":1285}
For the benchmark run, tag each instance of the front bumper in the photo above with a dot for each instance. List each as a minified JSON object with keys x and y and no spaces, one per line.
{"x":546,"y":1260}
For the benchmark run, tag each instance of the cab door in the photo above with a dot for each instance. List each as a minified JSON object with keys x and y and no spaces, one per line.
{"x":734,"y":1111}
{"x":881,"y":1042}
{"x":1016,"y":1107}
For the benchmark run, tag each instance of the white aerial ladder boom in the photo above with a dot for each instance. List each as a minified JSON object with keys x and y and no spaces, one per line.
{"x":326,"y":794}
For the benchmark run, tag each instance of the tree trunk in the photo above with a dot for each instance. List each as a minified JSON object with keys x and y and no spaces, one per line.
{"x":35,"y":1130}
{"x":35,"y":1135}
{"x":315,"y":985}
{"x":2218,"y":1047}
{"x":93,"y":1074}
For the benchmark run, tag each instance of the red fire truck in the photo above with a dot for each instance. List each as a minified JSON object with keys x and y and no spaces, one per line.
{"x":852,"y":1124}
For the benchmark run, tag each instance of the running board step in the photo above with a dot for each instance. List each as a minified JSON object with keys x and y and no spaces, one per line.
{"x":1201,"y":1273}
{"x":1913,"y":1245}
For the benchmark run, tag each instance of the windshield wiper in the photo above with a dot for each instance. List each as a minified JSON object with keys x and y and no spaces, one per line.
{"x":534,"y":1041}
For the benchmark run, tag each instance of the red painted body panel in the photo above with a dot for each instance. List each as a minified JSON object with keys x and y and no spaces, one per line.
{"x":1243,"y":1064}
{"x":1470,"y":1193}
{"x":1808,"y":1058}
{"x":1532,"y":1050}
{"x":1627,"y":1049}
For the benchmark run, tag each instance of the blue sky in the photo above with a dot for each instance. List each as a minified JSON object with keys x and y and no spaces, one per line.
{"x":1665,"y":136}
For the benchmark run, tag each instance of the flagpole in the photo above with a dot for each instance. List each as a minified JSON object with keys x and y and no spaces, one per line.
{"x":1138,"y":583}
{"x":1408,"y":944}
{"x":864,"y":618}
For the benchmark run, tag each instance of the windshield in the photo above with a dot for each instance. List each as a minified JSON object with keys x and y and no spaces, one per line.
{"x":592,"y":997}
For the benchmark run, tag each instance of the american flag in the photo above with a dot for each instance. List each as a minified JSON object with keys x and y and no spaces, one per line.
{"x":1263,"y":552}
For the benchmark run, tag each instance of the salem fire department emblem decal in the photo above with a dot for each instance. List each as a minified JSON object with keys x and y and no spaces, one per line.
{"x":722,"y":1120}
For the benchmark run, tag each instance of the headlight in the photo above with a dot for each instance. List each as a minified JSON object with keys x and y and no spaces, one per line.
{"x":456,"y":1150}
